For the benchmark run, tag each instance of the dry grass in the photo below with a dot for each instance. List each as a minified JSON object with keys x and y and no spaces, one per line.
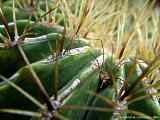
{"x":121,"y":25}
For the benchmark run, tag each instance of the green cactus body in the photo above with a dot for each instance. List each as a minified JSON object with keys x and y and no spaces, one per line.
{"x":80,"y":97}
{"x":20,"y":14}
{"x":34,"y":48}
{"x":34,"y":29}
{"x":147,"y":105}
{"x":109,"y":92}
{"x":99,"y":115}
{"x":89,"y":78}
{"x":69,"y":64}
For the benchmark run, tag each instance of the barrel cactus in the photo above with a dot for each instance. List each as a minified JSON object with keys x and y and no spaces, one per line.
{"x":50,"y":71}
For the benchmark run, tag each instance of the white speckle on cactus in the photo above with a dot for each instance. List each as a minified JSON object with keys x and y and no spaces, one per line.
{"x":97,"y":62}
{"x":121,"y":105}
{"x":78,"y":50}
{"x":42,"y":38}
{"x":56,"y":104}
{"x":75,"y":51}
{"x":69,"y":90}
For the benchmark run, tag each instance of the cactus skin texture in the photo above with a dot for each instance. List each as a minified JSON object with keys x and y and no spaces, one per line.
{"x":45,"y":71}
{"x":35,"y":29}
{"x":147,"y":105}
{"x":35,"y":50}
{"x":96,"y":115}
